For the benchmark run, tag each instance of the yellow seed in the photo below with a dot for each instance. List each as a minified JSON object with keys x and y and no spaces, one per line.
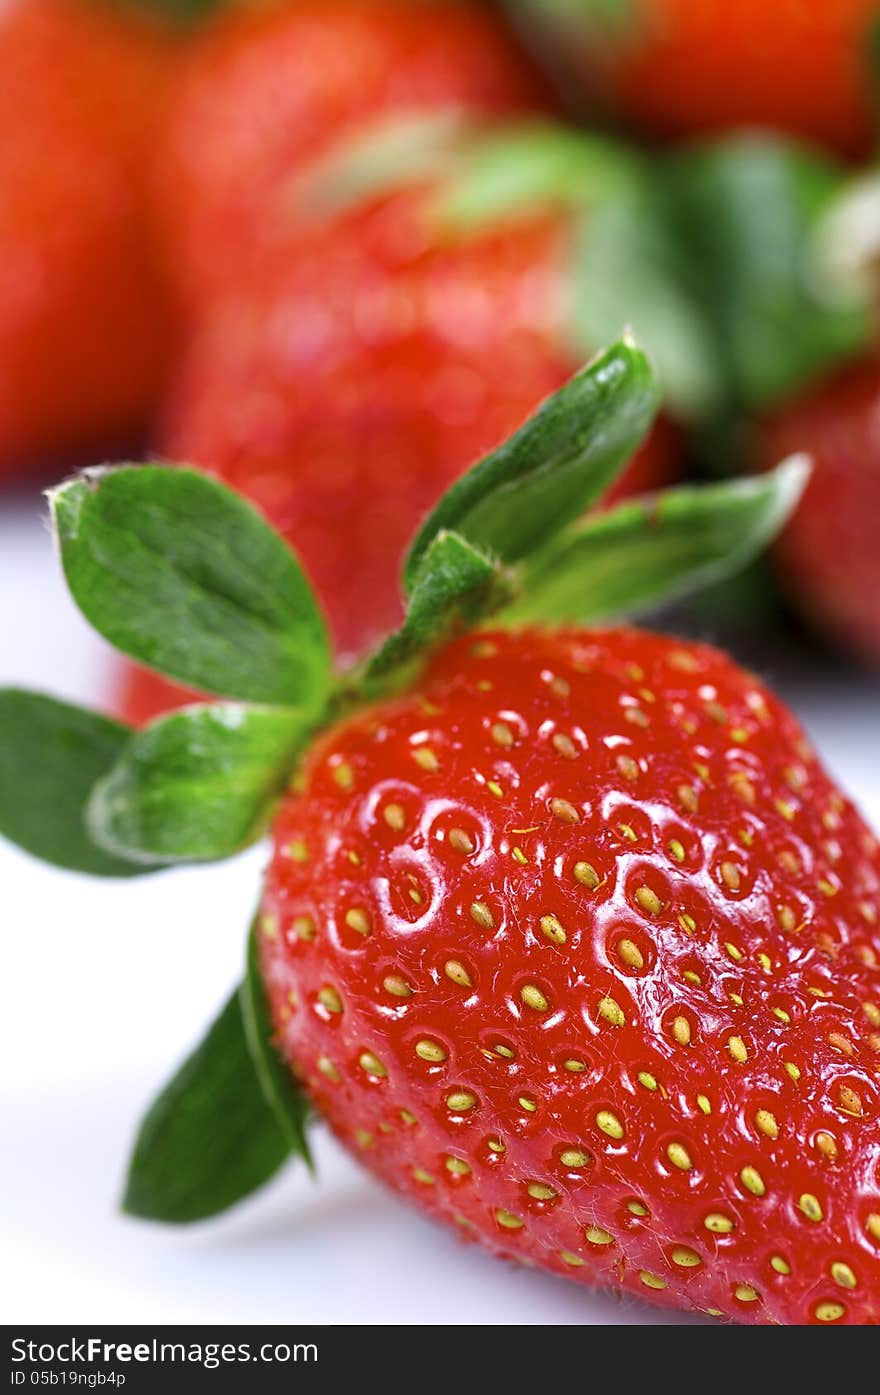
{"x":395,"y":817}
{"x":651,"y":1280}
{"x":564,"y":811}
{"x":298,"y":850}
{"x":455,"y":970}
{"x":343,"y":775}
{"x":397,"y":986}
{"x":752,"y":1181}
{"x":637,"y":1208}
{"x":553,"y":930}
{"x":843,"y":1276}
{"x":326,"y":1067}
{"x":850,"y":1101}
{"x":482,"y":916}
{"x":304,"y":927}
{"x":737,"y":1048}
{"x":765,"y":961}
{"x":422,"y":1176}
{"x":681,"y":1030}
{"x":811,"y":1207}
{"x":685,"y":1258}
{"x":826,"y":1144}
{"x":782,"y":1016}
{"x":611,"y":1012}
{"x":371,"y":1064}
{"x":330,"y":999}
{"x":461,"y":841}
{"x":597,"y":1236}
{"x":609,"y":1123}
{"x":358,"y":920}
{"x":541,"y":1191}
{"x":426,"y":758}
{"x":676,"y":849}
{"x":533,"y":998}
{"x":645,"y":1078}
{"x":733,"y":951}
{"x":687,"y":923}
{"x":568,"y":1258}
{"x":829,"y":1311}
{"x":575,"y":1066}
{"x":574,"y":1157}
{"x":793,"y":1070}
{"x":630,"y":953}
{"x":730,"y":875}
{"x":679,"y":1156}
{"x":459,"y":1101}
{"x":587,"y":875}
{"x":527,"y":1103}
{"x":628,"y":832}
{"x":565,"y":746}
{"x":872,"y":1226}
{"x":766,"y":1123}
{"x":649,"y":900}
{"x":840,"y":1043}
{"x":496,"y":1146}
{"x":269,"y":926}
{"x":457,"y":1166}
{"x":687,"y":798}
{"x":495,"y":789}
{"x":520,"y":857}
{"x":628,"y":768}
{"x":718,"y":1223}
{"x":508,"y":1220}
{"x":746,"y":1294}
{"x":703,"y":1104}
{"x":559,"y":686}
{"x":506,"y":1051}
{"x":408,"y":1117}
{"x":364,"y":1138}
{"x":430,"y":1050}
{"x":690,"y":976}
{"x":781,"y":1265}
{"x":872,"y":1012}
{"x":501,"y":734}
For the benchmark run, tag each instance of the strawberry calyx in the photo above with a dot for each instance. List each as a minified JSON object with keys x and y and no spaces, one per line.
{"x":183,"y":575}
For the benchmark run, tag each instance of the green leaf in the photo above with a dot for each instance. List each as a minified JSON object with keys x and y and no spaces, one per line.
{"x":455,"y":587}
{"x":279,"y":1086}
{"x":627,"y":270}
{"x":51,"y":754}
{"x":186,"y":577}
{"x":554,"y":467}
{"x":197,"y":784}
{"x":747,"y":211}
{"x":210,"y":1139}
{"x":648,"y":551}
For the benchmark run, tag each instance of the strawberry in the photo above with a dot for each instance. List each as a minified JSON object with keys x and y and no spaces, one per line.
{"x":574,"y":946}
{"x":676,"y":67}
{"x":828,"y":553}
{"x":83,"y":327}
{"x":566,"y":933}
{"x":271,"y":86}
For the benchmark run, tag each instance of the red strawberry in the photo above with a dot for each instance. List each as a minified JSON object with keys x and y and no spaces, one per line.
{"x":575,"y":946}
{"x":828,"y":553}
{"x":272,"y":85}
{"x":674,"y":67}
{"x":83,"y":329}
{"x":355,"y":380}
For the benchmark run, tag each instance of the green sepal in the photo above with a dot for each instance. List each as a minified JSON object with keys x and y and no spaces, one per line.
{"x":210,"y":1138}
{"x":196,"y":785}
{"x":646,"y":552}
{"x":747,"y":212}
{"x":185,"y":576}
{"x":555,"y":466}
{"x":277,"y":1081}
{"x":456,"y":586}
{"x":51,"y":754}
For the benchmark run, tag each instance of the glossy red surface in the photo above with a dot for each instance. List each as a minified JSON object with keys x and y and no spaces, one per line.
{"x":576,"y":947}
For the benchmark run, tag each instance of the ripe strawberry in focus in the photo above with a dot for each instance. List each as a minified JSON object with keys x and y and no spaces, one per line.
{"x":680,"y":67}
{"x":271,"y":86}
{"x":828,"y":554}
{"x":83,"y":329}
{"x":575,"y":946}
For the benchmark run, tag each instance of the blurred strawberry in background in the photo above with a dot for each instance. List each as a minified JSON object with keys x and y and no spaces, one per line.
{"x":84,"y":331}
{"x":677,"y":67}
{"x":829,"y":554}
{"x":273,"y":84}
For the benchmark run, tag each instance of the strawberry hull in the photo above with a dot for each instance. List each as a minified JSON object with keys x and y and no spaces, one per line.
{"x":575,"y":947}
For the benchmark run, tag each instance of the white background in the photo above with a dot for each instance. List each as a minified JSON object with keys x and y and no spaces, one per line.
{"x":104,"y":985}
